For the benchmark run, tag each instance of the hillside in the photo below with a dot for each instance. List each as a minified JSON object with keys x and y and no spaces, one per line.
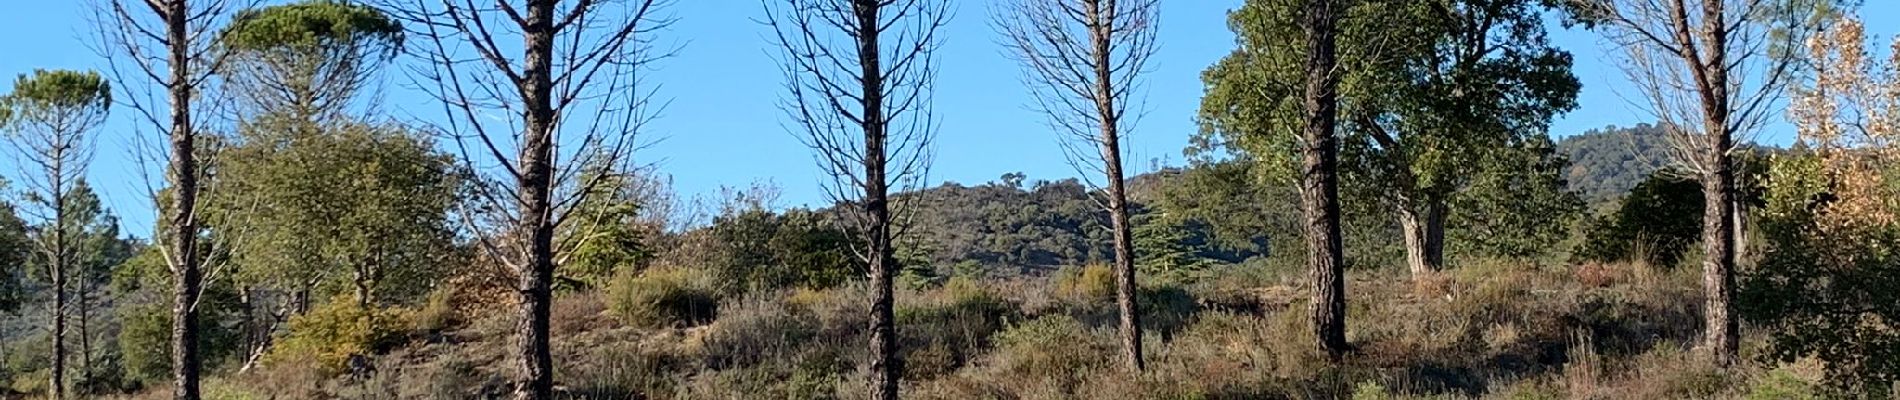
{"x":1606,"y":163}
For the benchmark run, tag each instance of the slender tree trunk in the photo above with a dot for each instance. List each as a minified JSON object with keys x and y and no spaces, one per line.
{"x":1319,"y":178}
{"x":58,"y":271}
{"x":186,"y":273}
{"x":85,"y":341}
{"x":365,"y":287}
{"x":535,"y":188}
{"x":57,"y":257}
{"x":884,"y":363}
{"x":1101,"y":27}
{"x":1721,"y":334}
{"x":1424,"y":231}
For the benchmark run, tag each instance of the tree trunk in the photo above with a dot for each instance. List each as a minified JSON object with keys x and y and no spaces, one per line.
{"x":1102,"y":26}
{"x":884,"y":363}
{"x":58,"y":272}
{"x":186,"y":275}
{"x":58,"y":257}
{"x":85,"y":341}
{"x":365,"y":287}
{"x":535,"y":187}
{"x":1319,"y":178}
{"x":1721,"y":335}
{"x":1424,"y":237}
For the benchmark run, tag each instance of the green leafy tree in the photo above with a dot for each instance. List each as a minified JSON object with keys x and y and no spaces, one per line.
{"x":51,"y":118}
{"x":1517,"y":205}
{"x":611,"y":233}
{"x":1428,"y":87}
{"x":308,"y":59}
{"x":1172,"y":246}
{"x":1657,"y":223}
{"x":15,"y":249}
{"x":1445,"y":85}
{"x":1277,"y":97}
{"x":321,"y":201}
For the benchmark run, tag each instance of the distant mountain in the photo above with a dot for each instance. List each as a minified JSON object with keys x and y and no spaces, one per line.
{"x":1606,"y":163}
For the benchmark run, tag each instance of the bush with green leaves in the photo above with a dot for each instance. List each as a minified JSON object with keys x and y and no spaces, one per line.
{"x":664,"y":297}
{"x":1658,"y":222}
{"x":762,"y":250}
{"x":1826,"y":286}
{"x":326,"y":337}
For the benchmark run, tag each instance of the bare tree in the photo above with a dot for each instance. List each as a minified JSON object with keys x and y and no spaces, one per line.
{"x":1083,"y":60}
{"x":568,"y":98}
{"x":1319,"y":173}
{"x":860,"y":75}
{"x":52,"y":117}
{"x":170,"y":44}
{"x":1714,"y":72}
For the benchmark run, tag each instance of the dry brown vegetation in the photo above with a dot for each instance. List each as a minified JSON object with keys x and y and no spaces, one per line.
{"x":1482,"y":330}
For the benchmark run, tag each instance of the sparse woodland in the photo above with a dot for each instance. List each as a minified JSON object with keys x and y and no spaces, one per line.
{"x":1374,"y":207}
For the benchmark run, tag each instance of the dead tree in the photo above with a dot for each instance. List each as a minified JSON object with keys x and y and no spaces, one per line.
{"x":572,"y":91}
{"x":859,"y":78}
{"x":1083,"y":60}
{"x":169,"y":43}
{"x":1713,"y":72}
{"x":1319,"y":174}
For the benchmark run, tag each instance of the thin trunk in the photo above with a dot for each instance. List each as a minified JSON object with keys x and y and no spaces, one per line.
{"x":364,"y":288}
{"x":85,"y":341}
{"x":884,"y":363}
{"x":57,"y":260}
{"x":1319,"y":179}
{"x":1721,"y":335}
{"x":58,"y":271}
{"x":1101,"y":28}
{"x":1424,"y":230}
{"x":535,"y":188}
{"x":1739,"y":209}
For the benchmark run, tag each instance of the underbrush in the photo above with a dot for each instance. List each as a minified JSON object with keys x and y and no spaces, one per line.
{"x":1485,"y":330}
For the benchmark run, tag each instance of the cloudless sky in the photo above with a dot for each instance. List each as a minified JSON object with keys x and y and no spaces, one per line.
{"x":724,"y":126}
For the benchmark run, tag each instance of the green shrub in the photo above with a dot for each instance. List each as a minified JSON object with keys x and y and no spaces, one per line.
{"x":942,"y":330}
{"x":327,"y":336}
{"x":1658,"y":222}
{"x":145,"y":334}
{"x":438,"y":313}
{"x":1371,"y":390}
{"x":664,"y":297}
{"x":1780,"y":384}
{"x":1056,"y":350}
{"x":1090,"y":282}
{"x":31,"y":382}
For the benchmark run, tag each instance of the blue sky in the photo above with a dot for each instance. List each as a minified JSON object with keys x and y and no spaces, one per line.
{"x":723,"y":126}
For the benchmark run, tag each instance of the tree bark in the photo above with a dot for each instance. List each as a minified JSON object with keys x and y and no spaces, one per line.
{"x":1721,"y":332}
{"x":1319,"y":178}
{"x":58,"y":271}
{"x":1424,"y":231}
{"x":186,"y":273}
{"x":535,"y":190}
{"x":85,"y":341}
{"x":1102,"y":27}
{"x":1720,"y":329}
{"x":884,"y":363}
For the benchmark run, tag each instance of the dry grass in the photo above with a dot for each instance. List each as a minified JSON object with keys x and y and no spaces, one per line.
{"x":1482,"y":330}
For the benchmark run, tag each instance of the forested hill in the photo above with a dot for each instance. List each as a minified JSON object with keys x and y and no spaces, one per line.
{"x":1606,"y":163}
